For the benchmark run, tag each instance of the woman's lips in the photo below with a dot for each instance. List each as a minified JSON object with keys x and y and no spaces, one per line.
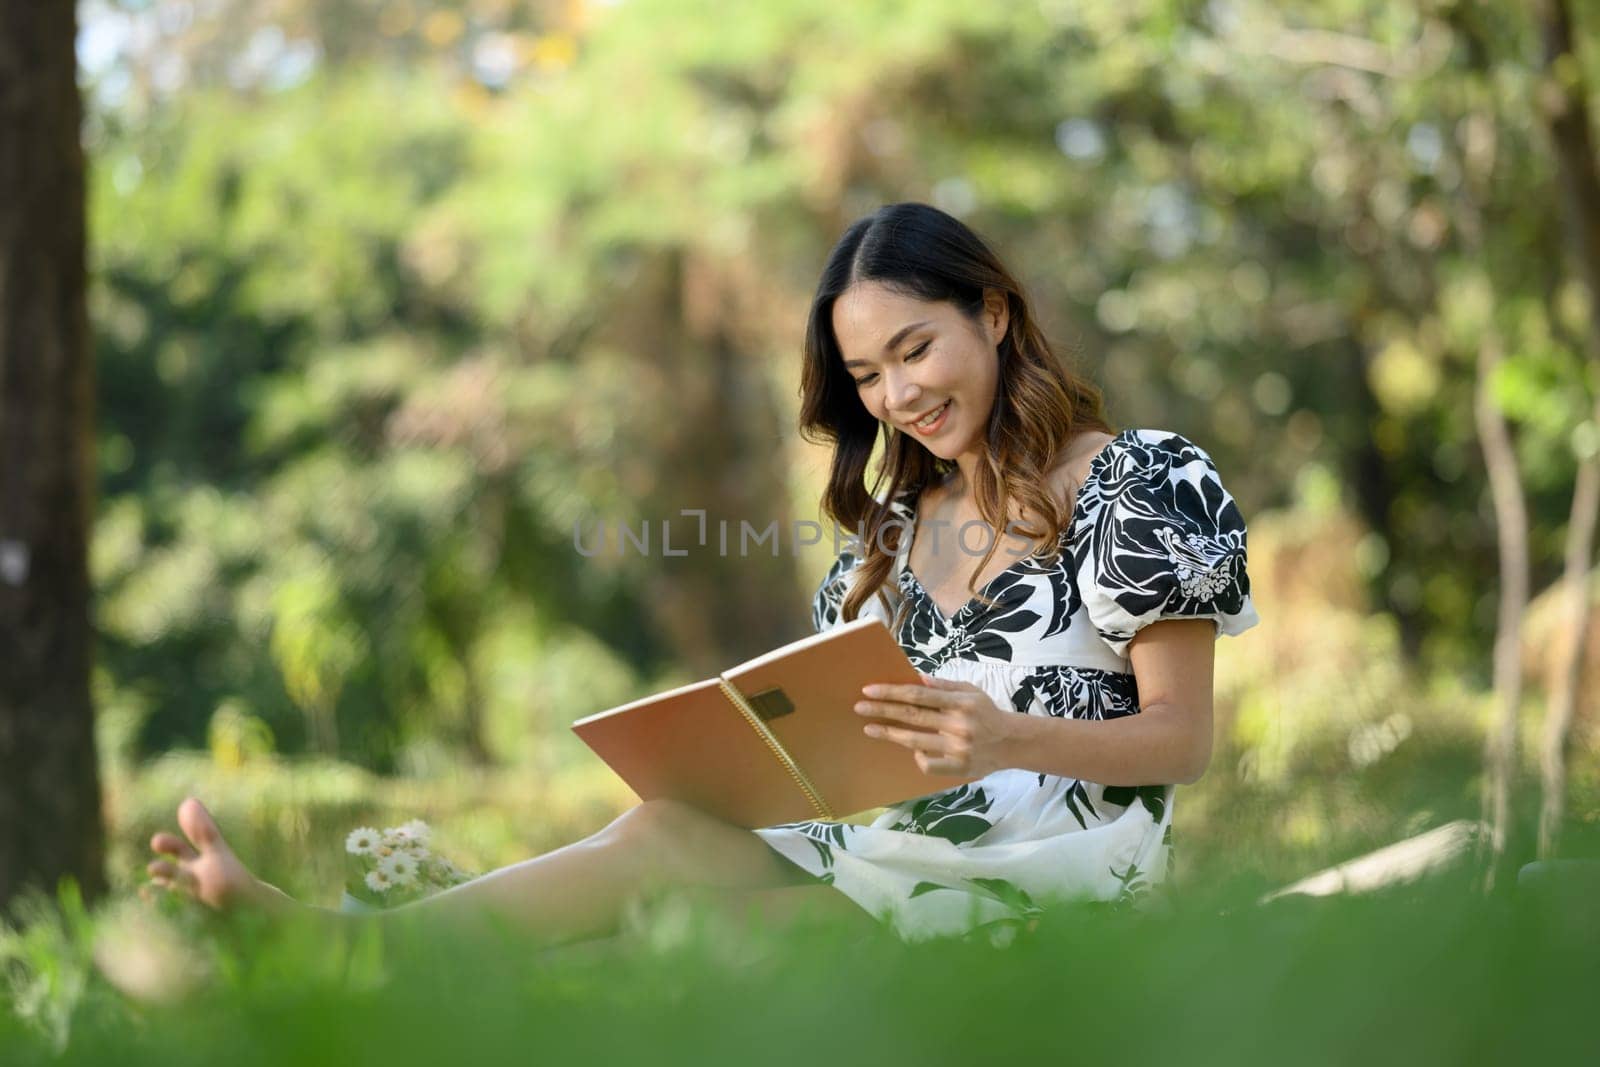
{"x":936,"y":425}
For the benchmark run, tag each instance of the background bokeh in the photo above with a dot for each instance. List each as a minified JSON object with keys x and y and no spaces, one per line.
{"x":388,"y":295}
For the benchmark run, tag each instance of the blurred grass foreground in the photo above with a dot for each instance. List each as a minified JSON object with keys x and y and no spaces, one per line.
{"x":389,"y":296}
{"x":1437,"y":974}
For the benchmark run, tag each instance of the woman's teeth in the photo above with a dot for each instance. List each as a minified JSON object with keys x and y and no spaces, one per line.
{"x":933,"y":416}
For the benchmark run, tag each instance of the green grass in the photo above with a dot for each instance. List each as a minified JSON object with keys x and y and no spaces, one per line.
{"x":1435,"y":973}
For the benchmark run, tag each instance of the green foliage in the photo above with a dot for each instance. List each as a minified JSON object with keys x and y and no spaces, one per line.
{"x":1496,"y":978}
{"x":292,"y":520}
{"x":44,"y":962}
{"x":372,"y":343}
{"x":373,"y":338}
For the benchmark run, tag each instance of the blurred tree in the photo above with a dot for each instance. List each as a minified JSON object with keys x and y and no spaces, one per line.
{"x":1475,"y":158}
{"x":1511,"y":529}
{"x":378,"y":327}
{"x":1563,"y":100}
{"x":251,"y":48}
{"x":425,"y":407}
{"x":50,"y":823}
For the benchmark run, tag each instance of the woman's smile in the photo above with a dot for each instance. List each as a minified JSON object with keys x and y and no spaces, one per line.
{"x":933,"y":421}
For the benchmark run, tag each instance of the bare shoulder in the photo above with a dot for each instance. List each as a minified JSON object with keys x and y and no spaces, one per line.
{"x":1071,"y":468}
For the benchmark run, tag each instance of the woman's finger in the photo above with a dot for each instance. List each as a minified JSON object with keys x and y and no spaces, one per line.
{"x":916,"y":740}
{"x":920,"y":695}
{"x":947,"y":684}
{"x":922,"y":718}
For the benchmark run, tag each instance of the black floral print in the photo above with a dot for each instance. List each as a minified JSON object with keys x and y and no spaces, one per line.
{"x":828,"y":602}
{"x":1165,"y":540}
{"x":956,"y":815}
{"x":824,"y":837}
{"x":1153,"y":535}
{"x":1077,"y":693}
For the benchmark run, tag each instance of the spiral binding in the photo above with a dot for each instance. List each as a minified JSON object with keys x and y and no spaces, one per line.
{"x":812,"y":793}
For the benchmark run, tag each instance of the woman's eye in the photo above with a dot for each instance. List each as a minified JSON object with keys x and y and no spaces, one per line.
{"x":915,"y":352}
{"x":865,"y":379}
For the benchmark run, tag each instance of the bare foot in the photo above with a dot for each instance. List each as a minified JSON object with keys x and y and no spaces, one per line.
{"x":205,"y":867}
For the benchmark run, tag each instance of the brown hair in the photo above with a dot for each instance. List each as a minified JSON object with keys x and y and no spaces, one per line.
{"x":1039,"y":406}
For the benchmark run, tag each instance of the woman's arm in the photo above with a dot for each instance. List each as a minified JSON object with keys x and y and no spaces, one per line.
{"x":954,"y":728}
{"x":1168,"y":742}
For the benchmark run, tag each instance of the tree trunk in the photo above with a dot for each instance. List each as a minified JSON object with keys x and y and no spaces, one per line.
{"x":1566,"y":665}
{"x":50,"y":823}
{"x":729,"y":597}
{"x":1510,"y":508}
{"x":1565,"y":115}
{"x":1511,"y":527}
{"x":1367,"y":470}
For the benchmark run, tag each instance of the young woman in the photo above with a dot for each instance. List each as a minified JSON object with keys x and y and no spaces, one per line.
{"x":1058,"y":585}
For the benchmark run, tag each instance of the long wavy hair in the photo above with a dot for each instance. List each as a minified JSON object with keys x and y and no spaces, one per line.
{"x":1039,"y":406}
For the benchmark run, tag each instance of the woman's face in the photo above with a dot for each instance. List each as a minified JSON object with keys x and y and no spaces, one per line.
{"x":923,"y":368}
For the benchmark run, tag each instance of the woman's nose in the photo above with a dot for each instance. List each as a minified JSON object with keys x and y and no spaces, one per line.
{"x":901,"y":394}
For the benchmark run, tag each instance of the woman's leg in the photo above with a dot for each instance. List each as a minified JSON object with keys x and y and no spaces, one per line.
{"x":787,"y":905}
{"x":581,"y":890}
{"x":574,"y":892}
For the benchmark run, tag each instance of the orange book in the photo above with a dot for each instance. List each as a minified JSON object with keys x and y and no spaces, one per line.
{"x":775,"y":739}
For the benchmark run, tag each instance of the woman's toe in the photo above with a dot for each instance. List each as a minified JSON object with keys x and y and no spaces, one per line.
{"x":165,"y":844}
{"x":173,"y":876}
{"x":198,"y":825}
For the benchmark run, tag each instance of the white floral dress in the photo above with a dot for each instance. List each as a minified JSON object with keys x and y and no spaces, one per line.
{"x":1153,"y":535}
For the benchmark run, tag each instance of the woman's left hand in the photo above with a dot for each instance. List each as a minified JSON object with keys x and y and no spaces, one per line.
{"x":950,"y":727}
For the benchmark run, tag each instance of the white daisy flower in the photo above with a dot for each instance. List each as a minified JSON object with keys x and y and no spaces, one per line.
{"x":362,"y":841}
{"x":408,"y":835}
{"x":442,"y":871}
{"x":419,"y":853}
{"x":378,"y":881}
{"x":401,"y":868}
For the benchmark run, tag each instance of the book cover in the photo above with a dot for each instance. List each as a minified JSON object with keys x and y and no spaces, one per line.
{"x":774,"y":739}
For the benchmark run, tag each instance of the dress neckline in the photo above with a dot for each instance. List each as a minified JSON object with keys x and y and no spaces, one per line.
{"x":1096,"y":462}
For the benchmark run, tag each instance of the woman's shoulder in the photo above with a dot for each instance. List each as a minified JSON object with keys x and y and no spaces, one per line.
{"x":1159,"y":478}
{"x":1142,"y":451}
{"x":1152,"y":452}
{"x":1145,"y":466}
{"x":1076,"y":464}
{"x":1076,"y":460}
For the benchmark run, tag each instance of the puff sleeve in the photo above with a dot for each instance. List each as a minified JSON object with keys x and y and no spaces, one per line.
{"x":828,"y":601}
{"x":1162,"y":540}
